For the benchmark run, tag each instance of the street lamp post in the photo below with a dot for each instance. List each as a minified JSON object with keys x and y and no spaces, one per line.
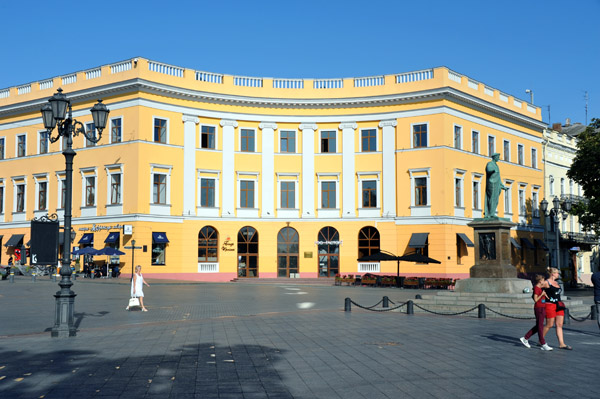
{"x":557,"y":213}
{"x":54,"y":115}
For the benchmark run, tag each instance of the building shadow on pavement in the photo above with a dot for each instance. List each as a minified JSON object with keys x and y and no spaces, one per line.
{"x":80,"y":316}
{"x":191,"y":371}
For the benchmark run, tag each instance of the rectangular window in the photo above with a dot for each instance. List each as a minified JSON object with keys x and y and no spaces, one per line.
{"x":63,"y":193}
{"x":369,"y":194}
{"x":20,"y":198}
{"x":420,"y":191}
{"x":287,"y":141}
{"x":1,"y":199}
{"x":160,"y":130}
{"x":44,"y":142}
{"x":159,"y":190}
{"x":475,"y":142}
{"x":420,"y":136}
{"x":115,"y":130}
{"x":551,"y":180}
{"x":2,"y":148}
{"x":476,"y":195}
{"x":491,"y":145}
{"x":507,"y":150}
{"x":562,"y":186}
{"x":522,"y":208}
{"x":246,"y":194}
{"x":21,"y":145}
{"x":458,"y":192}
{"x":90,"y":128}
{"x":328,"y":143}
{"x":90,"y":191}
{"x":369,"y":140}
{"x":507,"y":199}
{"x":457,"y":137}
{"x":247,"y":136}
{"x":207,"y":193}
{"x":42,"y":195}
{"x":534,"y":158}
{"x":207,"y":137}
{"x":328,"y":194}
{"x":520,"y":155}
{"x":115,"y":189}
{"x":288,"y":194}
{"x":159,"y":253}
{"x":535,"y":203}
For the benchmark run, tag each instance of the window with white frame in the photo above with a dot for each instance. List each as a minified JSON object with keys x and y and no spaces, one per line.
{"x":475,"y":141}
{"x":522,"y":204}
{"x":20,"y":194}
{"x":508,"y":197}
{"x":520,"y":154}
{"x":562,"y":186}
{"x":457,"y":137}
{"x":491,"y":145}
{"x":248,"y":140}
{"x":328,"y":190}
{"x":43,"y":142}
{"x":21,"y":145}
{"x":42,"y":195}
{"x":2,"y":147}
{"x":159,"y":188}
{"x":61,"y":190}
{"x":90,"y":191}
{"x":1,"y":196}
{"x":506,"y":148}
{"x":420,"y":195}
{"x":160,"y":180}
{"x":459,"y":177}
{"x":476,"y":194}
{"x":208,"y":184}
{"x":368,"y":140}
{"x":551,"y":184}
{"x":247,"y":183}
{"x":535,"y":198}
{"x":571,"y":186}
{"x":328,"y":141}
{"x":287,"y":141}
{"x":161,"y":130}
{"x":287,"y":185}
{"x":90,"y":128}
{"x":116,"y":130}
{"x":369,"y":193}
{"x":419,"y":135}
{"x":534,"y":158}
{"x":114,"y":175}
{"x":208,"y":137}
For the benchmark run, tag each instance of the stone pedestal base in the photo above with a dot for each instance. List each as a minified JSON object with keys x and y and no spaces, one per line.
{"x":493,"y":285}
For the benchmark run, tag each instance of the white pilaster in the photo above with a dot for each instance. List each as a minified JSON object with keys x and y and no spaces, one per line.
{"x":388,"y":188}
{"x":229,"y":181}
{"x":348,"y":170}
{"x":189,"y":164}
{"x":268,"y":169}
{"x":308,"y":169}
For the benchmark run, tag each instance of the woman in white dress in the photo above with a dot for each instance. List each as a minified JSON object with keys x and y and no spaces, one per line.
{"x":137,"y":286}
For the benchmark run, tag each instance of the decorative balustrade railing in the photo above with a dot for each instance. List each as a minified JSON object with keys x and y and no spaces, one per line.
{"x":369,"y":267}
{"x":24,"y":89}
{"x":165,"y":69}
{"x":425,"y":74}
{"x":208,"y":267}
{"x":209,"y":77}
{"x":247,"y":81}
{"x":47,"y":84}
{"x":288,"y":83}
{"x":328,"y":83}
{"x":120,"y":67}
{"x":455,"y":76}
{"x":68,"y":79}
{"x":93,"y":73}
{"x":4,"y":93}
{"x":369,"y":81}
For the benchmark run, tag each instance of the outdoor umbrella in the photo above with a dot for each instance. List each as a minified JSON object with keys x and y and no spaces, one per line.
{"x":86,"y":251}
{"x":109,"y":251}
{"x":380,"y":257}
{"x":419,"y":258}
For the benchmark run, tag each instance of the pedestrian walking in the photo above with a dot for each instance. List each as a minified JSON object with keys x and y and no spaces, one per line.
{"x":555,"y":311}
{"x":596,"y":283}
{"x":137,"y":287}
{"x":539,"y":309}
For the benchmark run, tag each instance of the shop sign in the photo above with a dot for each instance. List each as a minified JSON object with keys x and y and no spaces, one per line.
{"x":228,"y":246}
{"x":127,"y":230}
{"x":96,"y":227}
{"x":329,"y":242}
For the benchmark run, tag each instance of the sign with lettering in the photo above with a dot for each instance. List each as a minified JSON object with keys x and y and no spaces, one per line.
{"x":96,"y":227}
{"x":228,"y":246}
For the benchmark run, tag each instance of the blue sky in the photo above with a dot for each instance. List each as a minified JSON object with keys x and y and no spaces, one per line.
{"x":550,"y":47}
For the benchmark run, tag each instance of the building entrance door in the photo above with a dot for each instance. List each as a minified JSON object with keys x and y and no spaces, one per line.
{"x":287,"y":252}
{"x":329,"y":252}
{"x":247,"y":252}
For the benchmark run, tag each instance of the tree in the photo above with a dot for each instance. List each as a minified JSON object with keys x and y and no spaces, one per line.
{"x":585,"y":170}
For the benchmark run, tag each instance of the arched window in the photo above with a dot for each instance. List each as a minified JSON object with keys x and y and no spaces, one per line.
{"x":208,"y":244}
{"x":247,"y":252}
{"x":287,"y":252}
{"x":328,"y":243}
{"x":368,"y":241}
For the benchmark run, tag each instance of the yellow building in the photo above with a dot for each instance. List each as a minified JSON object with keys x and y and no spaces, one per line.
{"x":261,"y":177}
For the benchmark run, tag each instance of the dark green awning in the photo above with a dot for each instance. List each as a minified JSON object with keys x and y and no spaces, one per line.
{"x":418,"y":240}
{"x":465,"y":239}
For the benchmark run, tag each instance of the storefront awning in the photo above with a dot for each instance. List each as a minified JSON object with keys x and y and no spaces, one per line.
{"x":15,"y":241}
{"x":418,"y":240}
{"x":527,"y":243}
{"x":515,"y":243}
{"x":112,"y":237}
{"x":159,"y":238}
{"x":465,"y":239}
{"x":541,"y":244}
{"x":88,"y":238}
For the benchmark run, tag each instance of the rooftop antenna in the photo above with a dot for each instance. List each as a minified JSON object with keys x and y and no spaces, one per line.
{"x":530,"y":92}
{"x":587,"y":97}
{"x":549,"y":119}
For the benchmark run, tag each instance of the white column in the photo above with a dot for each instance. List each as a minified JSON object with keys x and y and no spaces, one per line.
{"x":348,"y":170}
{"x":228,"y":183}
{"x":268,"y":169}
{"x":189,"y":164}
{"x":388,"y":186}
{"x":308,"y":169}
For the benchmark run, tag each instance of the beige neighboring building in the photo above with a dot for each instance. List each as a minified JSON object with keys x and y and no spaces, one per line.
{"x":578,"y":254}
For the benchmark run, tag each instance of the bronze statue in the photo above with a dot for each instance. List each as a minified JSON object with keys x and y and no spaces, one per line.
{"x":493,"y":186}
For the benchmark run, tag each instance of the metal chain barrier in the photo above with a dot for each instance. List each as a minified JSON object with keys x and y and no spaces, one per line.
{"x":445,"y":314}
{"x":377,"y":310}
{"x":509,"y":316}
{"x":589,"y":316}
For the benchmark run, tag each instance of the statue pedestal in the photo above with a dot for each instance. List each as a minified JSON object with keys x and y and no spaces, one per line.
{"x":492,"y":271}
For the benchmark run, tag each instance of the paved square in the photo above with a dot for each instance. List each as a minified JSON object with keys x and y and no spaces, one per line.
{"x":274,"y":341}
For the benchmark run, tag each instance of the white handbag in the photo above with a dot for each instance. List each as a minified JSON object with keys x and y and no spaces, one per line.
{"x":133,"y":302}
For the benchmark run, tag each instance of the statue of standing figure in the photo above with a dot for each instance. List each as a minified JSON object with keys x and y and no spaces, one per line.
{"x":493,"y":186}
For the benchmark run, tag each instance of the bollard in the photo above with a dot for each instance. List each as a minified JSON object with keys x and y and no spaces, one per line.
{"x":594,"y":312}
{"x":481,"y":309}
{"x":418,"y":296}
{"x":74,"y":276}
{"x":409,"y":308}
{"x":386,"y":302}
{"x":347,"y":305}
{"x":12,"y":276}
{"x":567,"y":318}
{"x":33,"y":277}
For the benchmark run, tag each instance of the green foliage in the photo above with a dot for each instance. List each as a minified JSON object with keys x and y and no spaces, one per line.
{"x":585,"y":170}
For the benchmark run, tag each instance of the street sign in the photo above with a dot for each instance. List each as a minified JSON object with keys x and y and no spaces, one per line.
{"x":44,"y":241}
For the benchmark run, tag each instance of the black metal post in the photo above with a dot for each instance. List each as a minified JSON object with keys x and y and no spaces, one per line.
{"x":567,"y":317}
{"x":409,"y":307}
{"x":347,"y":305}
{"x":386,"y":302}
{"x":594,"y":312}
{"x":481,"y":311}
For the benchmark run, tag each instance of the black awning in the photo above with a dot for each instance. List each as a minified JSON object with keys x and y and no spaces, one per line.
{"x":418,"y":240}
{"x":15,"y":241}
{"x":514,"y":243}
{"x":465,"y":239}
{"x":88,"y":238}
{"x":160,"y":238}
{"x":526,"y":243}
{"x":112,"y":237}
{"x":541,"y":244}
